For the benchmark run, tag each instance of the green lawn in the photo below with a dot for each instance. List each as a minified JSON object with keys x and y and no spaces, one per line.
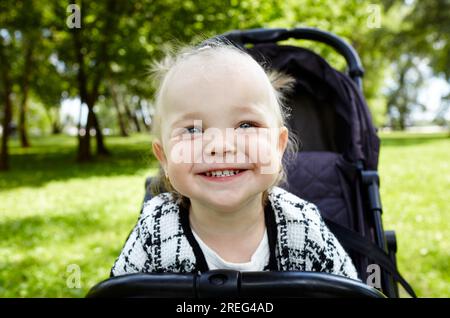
{"x":55,"y":213}
{"x":415,"y":189}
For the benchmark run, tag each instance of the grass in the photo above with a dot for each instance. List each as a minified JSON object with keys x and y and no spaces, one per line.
{"x":415,"y":189}
{"x":55,"y":212}
{"x":58,"y":217}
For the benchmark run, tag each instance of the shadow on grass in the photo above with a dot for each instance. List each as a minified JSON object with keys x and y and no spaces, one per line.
{"x":37,"y":276}
{"x":411,"y":139}
{"x":34,"y":231}
{"x":86,"y":239}
{"x":54,"y":159}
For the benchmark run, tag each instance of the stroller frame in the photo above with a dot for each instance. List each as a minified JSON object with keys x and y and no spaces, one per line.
{"x":369,"y":183}
{"x":386,"y":240}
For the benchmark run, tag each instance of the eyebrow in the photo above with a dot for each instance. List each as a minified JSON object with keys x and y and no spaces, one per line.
{"x":187,"y":116}
{"x":250,"y":109}
{"x":240,"y":109}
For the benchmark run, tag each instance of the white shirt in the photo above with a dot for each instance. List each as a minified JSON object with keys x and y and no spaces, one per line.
{"x":258,"y":261}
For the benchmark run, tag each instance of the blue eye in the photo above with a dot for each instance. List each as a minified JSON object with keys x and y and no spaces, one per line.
{"x":193,"y":130}
{"x":246,"y":125}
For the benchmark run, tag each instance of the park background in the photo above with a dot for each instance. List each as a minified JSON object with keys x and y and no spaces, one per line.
{"x":68,"y":198}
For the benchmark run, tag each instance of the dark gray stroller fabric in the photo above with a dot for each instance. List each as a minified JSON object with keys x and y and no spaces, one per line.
{"x":331,"y":119}
{"x":329,"y":113}
{"x":317,"y":177}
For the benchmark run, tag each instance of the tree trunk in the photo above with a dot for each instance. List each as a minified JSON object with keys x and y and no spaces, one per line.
{"x":98,"y":73}
{"x":24,"y":102}
{"x":131,"y":116}
{"x":84,"y":141}
{"x":4,"y":155}
{"x":7,"y":89}
{"x":123,"y":130}
{"x":56,"y":124}
{"x":402,"y":121}
{"x":54,"y":120}
{"x":25,"y":143}
{"x":144,"y":118}
{"x":84,"y":137}
{"x":101,"y":148}
{"x":56,"y":128}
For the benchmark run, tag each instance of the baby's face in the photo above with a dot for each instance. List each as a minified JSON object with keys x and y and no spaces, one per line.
{"x":221,"y":142}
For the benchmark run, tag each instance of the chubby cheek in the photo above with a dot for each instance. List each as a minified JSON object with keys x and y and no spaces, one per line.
{"x":179,"y":176}
{"x":179,"y":165}
{"x":262,"y":151}
{"x":184,"y":151}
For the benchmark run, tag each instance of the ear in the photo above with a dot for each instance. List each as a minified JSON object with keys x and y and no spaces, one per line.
{"x":283,"y":138}
{"x":158,"y":150}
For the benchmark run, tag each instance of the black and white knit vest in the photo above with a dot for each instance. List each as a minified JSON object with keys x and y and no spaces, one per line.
{"x":299,"y":240}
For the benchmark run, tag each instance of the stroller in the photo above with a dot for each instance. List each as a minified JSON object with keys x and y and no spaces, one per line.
{"x":336,"y":170}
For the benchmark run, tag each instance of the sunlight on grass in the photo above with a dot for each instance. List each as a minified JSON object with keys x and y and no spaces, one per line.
{"x":63,"y":213}
{"x":55,"y":212}
{"x":415,"y":189}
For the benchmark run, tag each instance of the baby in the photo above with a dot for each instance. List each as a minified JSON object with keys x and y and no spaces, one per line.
{"x":220,"y":135}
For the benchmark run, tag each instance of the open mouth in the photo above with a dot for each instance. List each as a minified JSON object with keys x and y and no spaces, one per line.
{"x":220,"y":175}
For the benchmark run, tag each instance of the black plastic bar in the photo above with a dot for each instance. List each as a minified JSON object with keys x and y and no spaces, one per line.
{"x":228,"y":283}
{"x":371,"y":181}
{"x":162,"y":285}
{"x":219,"y":283}
{"x":391,"y":242}
{"x":255,"y":36}
{"x":303,"y":284}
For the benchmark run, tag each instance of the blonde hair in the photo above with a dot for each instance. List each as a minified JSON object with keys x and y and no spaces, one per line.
{"x":281,"y":84}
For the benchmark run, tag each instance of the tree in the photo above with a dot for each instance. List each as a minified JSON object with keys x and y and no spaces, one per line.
{"x":403,"y":97}
{"x":29,"y":23}
{"x":49,"y":87}
{"x":9,"y":49}
{"x":422,"y":33}
{"x":440,"y":118}
{"x":427,"y":33}
{"x":89,"y":78}
{"x":21,"y":35}
{"x":24,"y":21}
{"x":7,"y":112}
{"x":120,"y":117}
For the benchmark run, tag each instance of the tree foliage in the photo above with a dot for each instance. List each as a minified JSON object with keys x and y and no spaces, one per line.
{"x":44,"y":59}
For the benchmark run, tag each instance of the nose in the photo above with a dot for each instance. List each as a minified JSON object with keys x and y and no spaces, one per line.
{"x":220,"y":143}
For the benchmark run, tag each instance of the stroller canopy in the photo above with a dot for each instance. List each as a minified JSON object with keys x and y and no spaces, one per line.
{"x":328,"y":110}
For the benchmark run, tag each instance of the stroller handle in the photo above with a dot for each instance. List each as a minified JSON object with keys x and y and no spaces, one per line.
{"x":255,"y":36}
{"x":229,"y":283}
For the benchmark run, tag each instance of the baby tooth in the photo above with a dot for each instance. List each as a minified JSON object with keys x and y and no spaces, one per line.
{"x":221,"y":173}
